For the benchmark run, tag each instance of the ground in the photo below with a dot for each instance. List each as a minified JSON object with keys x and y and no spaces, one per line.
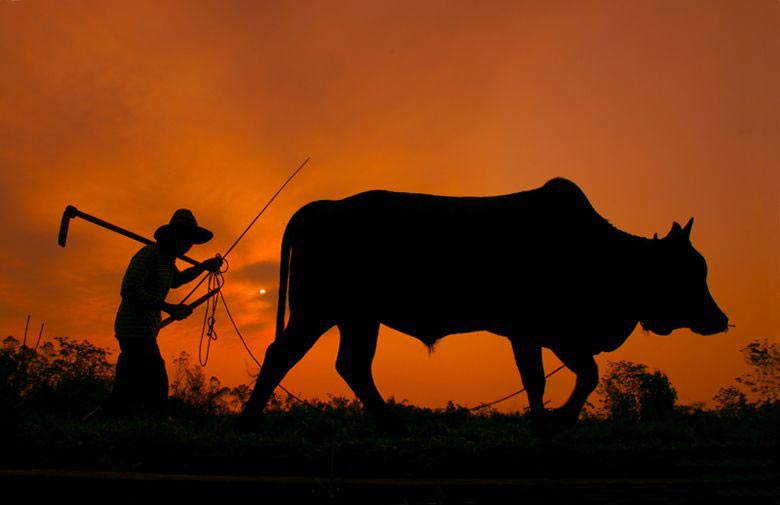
{"x":341,"y":456}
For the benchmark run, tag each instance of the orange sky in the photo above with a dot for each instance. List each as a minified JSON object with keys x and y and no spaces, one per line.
{"x":659,"y":110}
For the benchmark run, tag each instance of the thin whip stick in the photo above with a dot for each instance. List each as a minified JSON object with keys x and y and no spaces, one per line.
{"x":266,"y":206}
{"x":252,"y":223}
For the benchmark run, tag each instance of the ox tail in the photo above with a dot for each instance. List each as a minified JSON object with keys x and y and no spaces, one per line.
{"x":284,"y":269}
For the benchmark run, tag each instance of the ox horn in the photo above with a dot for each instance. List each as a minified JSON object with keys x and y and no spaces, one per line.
{"x":687,"y":229}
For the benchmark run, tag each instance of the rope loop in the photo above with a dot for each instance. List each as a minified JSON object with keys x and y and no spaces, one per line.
{"x":207,"y":332}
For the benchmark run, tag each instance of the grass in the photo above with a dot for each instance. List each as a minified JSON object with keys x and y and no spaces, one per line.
{"x":341,"y":456}
{"x":343,"y":441}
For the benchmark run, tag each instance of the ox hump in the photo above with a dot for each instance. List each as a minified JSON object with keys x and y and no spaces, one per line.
{"x":567,"y":194}
{"x":559,"y":184}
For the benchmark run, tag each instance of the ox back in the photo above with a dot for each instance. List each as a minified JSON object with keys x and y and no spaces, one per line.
{"x":540,"y":263}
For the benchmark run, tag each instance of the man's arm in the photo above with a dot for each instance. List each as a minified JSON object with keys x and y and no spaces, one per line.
{"x":190,"y":274}
{"x":177,"y":311}
{"x":181,"y":277}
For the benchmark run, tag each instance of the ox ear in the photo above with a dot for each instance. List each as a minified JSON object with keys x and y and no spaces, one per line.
{"x":655,"y":236}
{"x":675,"y":232}
{"x":687,"y":230}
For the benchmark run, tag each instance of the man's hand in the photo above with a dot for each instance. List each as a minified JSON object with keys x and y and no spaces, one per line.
{"x":212,"y":264}
{"x":179,"y":311}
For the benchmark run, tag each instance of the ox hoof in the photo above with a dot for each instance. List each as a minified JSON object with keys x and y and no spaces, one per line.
{"x":554,"y":422}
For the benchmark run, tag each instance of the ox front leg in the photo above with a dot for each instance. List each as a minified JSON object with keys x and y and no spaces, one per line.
{"x":584,"y":367}
{"x":355,"y":356}
{"x":528,"y":356}
{"x":280,"y":357}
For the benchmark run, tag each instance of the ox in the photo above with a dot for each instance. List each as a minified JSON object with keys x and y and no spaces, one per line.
{"x":540,"y":267}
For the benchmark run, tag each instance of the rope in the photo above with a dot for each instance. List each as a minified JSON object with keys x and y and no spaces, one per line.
{"x":504,"y":398}
{"x":194,"y":289}
{"x":207,"y":331}
{"x":257,"y":362}
{"x":216,"y":280}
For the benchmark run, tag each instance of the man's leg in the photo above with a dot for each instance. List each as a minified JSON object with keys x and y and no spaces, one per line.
{"x":117,"y":401}
{"x":152,"y":382}
{"x":125,"y":394}
{"x":160,"y":398}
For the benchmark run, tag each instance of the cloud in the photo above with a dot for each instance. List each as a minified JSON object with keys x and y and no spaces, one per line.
{"x":134,"y":111}
{"x":264,"y":273}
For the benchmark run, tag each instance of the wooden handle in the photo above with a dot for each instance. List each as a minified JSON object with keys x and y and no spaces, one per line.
{"x":168,"y":320}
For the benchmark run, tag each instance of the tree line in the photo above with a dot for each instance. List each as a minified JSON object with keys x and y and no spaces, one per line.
{"x":70,"y":377}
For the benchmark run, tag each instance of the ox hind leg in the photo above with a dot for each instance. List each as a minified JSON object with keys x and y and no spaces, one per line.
{"x":353,"y":363}
{"x":528,"y":356}
{"x":584,"y":367}
{"x":287,"y":350}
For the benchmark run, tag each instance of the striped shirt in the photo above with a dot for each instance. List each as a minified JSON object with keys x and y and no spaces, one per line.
{"x":146,"y":283}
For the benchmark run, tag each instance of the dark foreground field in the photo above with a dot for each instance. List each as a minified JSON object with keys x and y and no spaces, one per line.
{"x":341,"y":457}
{"x":641,"y":447}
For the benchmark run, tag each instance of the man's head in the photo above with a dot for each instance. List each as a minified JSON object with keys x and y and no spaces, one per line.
{"x":181,"y":233}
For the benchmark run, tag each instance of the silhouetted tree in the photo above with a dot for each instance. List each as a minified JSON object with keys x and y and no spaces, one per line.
{"x":631,"y":393}
{"x":10,"y":361}
{"x":64,"y":375}
{"x":764,"y":378}
{"x":190,"y":386}
{"x":72,"y":377}
{"x":731,"y":401}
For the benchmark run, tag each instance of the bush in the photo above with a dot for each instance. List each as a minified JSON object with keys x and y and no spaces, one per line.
{"x":764,"y":378}
{"x":73,"y":377}
{"x":65,"y":376}
{"x":190,"y":388}
{"x":730,"y":401}
{"x":631,"y":393}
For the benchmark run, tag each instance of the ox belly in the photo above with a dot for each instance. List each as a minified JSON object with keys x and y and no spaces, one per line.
{"x":429,"y":300}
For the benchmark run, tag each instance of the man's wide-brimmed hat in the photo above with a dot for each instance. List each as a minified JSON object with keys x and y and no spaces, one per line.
{"x":183,"y":222}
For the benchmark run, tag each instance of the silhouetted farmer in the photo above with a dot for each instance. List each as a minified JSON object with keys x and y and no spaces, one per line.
{"x":141,"y":382}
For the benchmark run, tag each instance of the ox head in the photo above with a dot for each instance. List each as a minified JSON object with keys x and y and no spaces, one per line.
{"x":679,"y":296}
